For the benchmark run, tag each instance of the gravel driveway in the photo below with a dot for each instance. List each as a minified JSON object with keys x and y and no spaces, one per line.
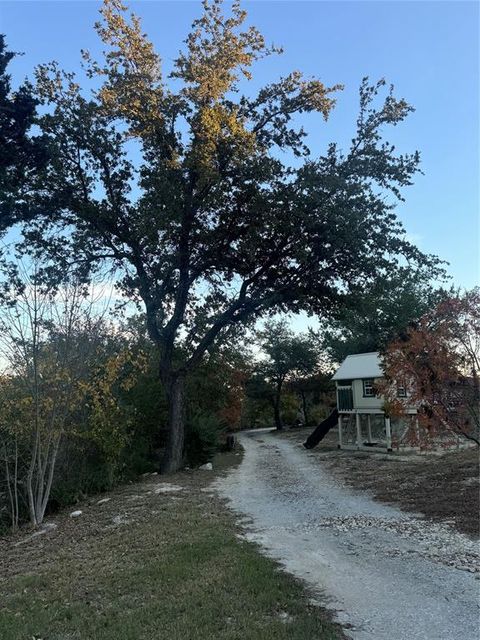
{"x":388,"y":575}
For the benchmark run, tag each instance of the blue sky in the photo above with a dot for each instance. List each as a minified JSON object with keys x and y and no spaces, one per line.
{"x":428,"y":50}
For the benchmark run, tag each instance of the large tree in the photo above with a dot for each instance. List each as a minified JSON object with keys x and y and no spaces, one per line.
{"x":22,"y":155}
{"x":375,"y":317}
{"x":185,"y":185}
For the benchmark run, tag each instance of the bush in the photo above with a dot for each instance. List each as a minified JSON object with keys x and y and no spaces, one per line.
{"x":319,"y":412}
{"x":202,"y":438}
{"x":82,"y":469}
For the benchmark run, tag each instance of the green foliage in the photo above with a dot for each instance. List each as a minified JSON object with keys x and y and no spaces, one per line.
{"x":204,"y":223}
{"x":259,"y":401}
{"x":319,"y":412}
{"x":288,"y":358}
{"x":82,"y":470}
{"x":290,"y":408}
{"x":288,"y":355}
{"x":317,"y":394}
{"x":216,"y":387}
{"x":202,"y":438}
{"x":371,"y":319}
{"x":23,"y":156}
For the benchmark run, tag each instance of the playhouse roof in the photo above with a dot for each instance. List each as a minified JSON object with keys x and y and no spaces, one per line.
{"x":360,"y":365}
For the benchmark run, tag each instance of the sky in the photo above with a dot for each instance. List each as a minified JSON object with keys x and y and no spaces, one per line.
{"x":428,"y":50}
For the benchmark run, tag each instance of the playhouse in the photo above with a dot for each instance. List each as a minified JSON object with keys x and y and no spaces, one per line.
{"x":362,"y":422}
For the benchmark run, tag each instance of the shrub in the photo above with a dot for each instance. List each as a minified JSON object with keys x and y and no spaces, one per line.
{"x":319,"y":412}
{"x":202,"y":438}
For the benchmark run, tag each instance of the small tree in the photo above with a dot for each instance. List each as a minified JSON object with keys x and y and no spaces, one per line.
{"x":438,"y":362}
{"x":289,"y":356}
{"x":41,"y":389}
{"x":317,"y":389}
{"x":260,"y":396}
{"x":204,"y":223}
{"x":109,"y":421}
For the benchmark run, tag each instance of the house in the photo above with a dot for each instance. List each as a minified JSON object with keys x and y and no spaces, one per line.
{"x":362,"y":421}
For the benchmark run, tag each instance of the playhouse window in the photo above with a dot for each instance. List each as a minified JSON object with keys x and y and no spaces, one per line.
{"x":368,"y":391}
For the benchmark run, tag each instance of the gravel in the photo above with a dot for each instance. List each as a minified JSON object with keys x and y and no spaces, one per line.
{"x":386,"y":573}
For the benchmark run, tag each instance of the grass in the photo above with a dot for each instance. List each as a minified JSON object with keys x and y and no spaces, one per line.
{"x":175,"y":568}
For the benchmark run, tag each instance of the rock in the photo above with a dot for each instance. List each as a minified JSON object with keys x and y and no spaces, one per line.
{"x":284,"y":617}
{"x":168,"y":488}
{"x":206,"y":467}
{"x":471,"y":481}
{"x":462,"y":568}
{"x":104,"y":500}
{"x":120,"y":520}
{"x":75,"y":514}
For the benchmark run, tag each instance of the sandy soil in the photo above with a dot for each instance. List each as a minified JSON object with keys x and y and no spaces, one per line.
{"x":388,"y":574}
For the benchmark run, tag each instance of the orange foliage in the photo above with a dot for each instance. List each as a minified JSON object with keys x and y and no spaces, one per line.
{"x":437,"y":361}
{"x":231,"y":413}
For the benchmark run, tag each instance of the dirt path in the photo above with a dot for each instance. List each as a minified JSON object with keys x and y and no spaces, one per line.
{"x":388,"y":574}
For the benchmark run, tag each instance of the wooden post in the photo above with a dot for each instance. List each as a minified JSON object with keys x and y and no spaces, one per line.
{"x":417,"y":432}
{"x":369,"y":427}
{"x":340,"y":443}
{"x":359,"y":430}
{"x":388,"y":433}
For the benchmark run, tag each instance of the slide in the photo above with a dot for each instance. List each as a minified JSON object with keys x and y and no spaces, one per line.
{"x":322,"y":430}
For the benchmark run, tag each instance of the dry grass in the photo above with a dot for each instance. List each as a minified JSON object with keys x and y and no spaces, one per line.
{"x":171,"y":565}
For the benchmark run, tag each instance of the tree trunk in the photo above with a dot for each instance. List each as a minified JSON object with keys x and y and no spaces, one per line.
{"x":304,"y":406}
{"x":276,"y":407}
{"x":30,"y":489}
{"x":173,"y":456}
